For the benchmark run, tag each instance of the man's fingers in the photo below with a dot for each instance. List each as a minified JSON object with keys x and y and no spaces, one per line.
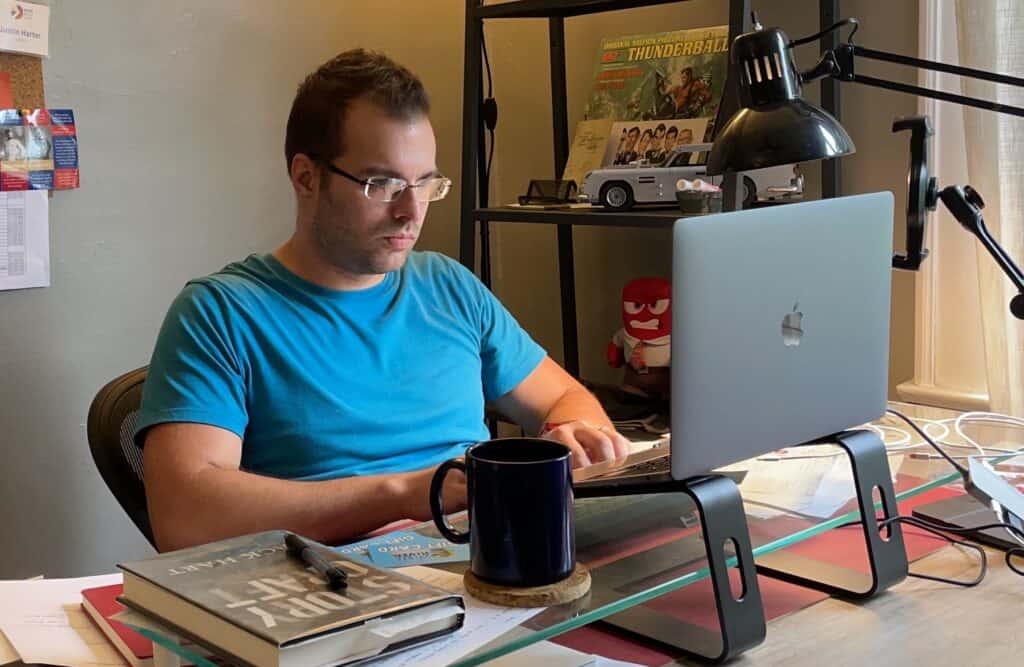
{"x":623,"y":447}
{"x":565,"y":434}
{"x":598,"y":444}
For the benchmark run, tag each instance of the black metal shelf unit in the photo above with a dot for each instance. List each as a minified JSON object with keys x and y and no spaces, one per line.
{"x":474,"y":209}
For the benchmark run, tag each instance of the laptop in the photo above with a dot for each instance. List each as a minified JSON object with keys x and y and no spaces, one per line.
{"x":780,"y":334}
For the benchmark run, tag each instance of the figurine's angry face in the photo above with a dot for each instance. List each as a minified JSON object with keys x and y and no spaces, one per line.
{"x":647,"y":308}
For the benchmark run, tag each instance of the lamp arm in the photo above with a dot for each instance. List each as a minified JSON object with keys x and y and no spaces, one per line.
{"x":844,"y":58}
{"x":827,"y":66}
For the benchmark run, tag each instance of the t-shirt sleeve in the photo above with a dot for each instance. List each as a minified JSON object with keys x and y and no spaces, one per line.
{"x":508,"y":354}
{"x":194,"y":375}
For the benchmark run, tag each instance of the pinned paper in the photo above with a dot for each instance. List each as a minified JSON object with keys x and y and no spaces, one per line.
{"x":24,"y":28}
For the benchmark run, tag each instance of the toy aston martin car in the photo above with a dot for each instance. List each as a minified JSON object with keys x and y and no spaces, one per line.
{"x":620,"y":187}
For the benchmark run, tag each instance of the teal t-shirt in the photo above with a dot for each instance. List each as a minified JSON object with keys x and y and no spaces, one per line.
{"x":321,"y":383}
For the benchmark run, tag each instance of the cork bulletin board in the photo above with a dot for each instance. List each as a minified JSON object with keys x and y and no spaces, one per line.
{"x":26,"y":79}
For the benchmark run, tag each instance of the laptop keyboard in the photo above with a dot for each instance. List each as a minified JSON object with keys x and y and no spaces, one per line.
{"x":650,"y":467}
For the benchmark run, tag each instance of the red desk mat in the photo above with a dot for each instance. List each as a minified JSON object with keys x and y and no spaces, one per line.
{"x":694,"y":603}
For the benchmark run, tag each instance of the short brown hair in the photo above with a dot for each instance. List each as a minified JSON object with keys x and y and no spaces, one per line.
{"x":318,"y":112}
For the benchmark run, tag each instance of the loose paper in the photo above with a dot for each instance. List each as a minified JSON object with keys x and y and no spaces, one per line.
{"x":403,"y":548}
{"x":45,"y":623}
{"x":24,"y":240}
{"x":7,"y":652}
{"x":484,"y":623}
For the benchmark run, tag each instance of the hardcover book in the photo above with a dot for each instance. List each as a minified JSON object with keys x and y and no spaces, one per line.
{"x":247,"y":598}
{"x":101,"y":603}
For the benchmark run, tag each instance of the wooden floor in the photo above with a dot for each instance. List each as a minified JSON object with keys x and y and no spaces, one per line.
{"x":919,"y":623}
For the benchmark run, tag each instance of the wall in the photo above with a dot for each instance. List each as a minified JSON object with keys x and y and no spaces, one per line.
{"x":181,"y":108}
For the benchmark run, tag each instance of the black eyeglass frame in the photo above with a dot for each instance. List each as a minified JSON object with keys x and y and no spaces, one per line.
{"x":366,"y":183}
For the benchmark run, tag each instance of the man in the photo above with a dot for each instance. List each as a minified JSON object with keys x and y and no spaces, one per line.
{"x":690,"y":95}
{"x":641,"y":146}
{"x":621,"y":149}
{"x":685,"y":139}
{"x":629,"y":153}
{"x":316,"y":388}
{"x":655,"y":154}
{"x":671,"y":134}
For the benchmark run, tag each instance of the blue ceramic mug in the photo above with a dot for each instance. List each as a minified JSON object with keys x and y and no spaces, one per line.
{"x":521,"y":522}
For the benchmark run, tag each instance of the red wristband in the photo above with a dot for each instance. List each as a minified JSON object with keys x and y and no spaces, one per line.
{"x":549,"y":427}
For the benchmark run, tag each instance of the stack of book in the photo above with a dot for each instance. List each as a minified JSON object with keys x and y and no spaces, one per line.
{"x":251,"y":602}
{"x":101,"y":604}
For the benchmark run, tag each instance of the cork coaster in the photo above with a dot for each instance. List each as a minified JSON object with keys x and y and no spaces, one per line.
{"x":573,"y":587}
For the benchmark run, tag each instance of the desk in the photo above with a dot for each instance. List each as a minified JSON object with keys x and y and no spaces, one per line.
{"x":643,"y":547}
{"x":917,"y":622}
{"x":640,"y":545}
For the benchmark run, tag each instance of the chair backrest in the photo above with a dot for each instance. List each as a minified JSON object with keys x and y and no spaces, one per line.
{"x":112,"y":418}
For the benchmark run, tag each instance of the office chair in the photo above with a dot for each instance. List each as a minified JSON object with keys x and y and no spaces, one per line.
{"x":112,"y":418}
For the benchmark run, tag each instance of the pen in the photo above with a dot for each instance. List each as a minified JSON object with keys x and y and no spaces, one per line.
{"x":300,"y":548}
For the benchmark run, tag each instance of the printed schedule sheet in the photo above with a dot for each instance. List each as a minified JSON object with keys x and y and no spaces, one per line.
{"x":24,"y":240}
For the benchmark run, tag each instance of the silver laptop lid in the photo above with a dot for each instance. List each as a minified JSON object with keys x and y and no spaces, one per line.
{"x":780,"y":327}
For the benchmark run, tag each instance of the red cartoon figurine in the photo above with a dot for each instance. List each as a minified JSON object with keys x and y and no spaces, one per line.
{"x":642,"y":345}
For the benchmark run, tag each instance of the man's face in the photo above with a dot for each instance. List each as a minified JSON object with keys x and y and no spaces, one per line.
{"x":633,"y":136}
{"x":644,"y":140}
{"x":686,"y":137}
{"x":360,"y":236}
{"x":670,"y":140}
{"x":684,"y":76}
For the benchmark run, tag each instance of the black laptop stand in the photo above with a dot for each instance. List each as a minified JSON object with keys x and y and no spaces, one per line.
{"x":741,"y":621}
{"x":887,"y":557}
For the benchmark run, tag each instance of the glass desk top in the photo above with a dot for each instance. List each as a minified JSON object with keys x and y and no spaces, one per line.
{"x":639,"y":547}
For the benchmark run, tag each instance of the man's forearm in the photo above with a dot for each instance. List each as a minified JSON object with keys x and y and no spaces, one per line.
{"x":215,"y":503}
{"x":578,"y":404}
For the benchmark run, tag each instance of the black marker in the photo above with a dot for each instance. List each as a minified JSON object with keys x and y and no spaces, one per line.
{"x":300,"y":548}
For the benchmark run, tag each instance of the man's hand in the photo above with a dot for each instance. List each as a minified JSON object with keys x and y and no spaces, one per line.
{"x":414,"y":493}
{"x":589,"y":443}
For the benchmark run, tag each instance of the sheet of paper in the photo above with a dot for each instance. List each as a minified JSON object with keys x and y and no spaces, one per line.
{"x":817,"y":486}
{"x":7,"y":652}
{"x":773,"y":486}
{"x":484,"y":622}
{"x":587,"y":150}
{"x":44,"y":622}
{"x":24,"y":239}
{"x":24,"y":27}
{"x":548,"y":654}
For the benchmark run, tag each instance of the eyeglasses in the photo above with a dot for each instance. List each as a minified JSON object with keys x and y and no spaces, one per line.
{"x":388,"y":189}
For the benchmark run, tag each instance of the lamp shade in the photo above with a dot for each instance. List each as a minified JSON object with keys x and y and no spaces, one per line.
{"x":773,"y":126}
{"x":792,"y":131}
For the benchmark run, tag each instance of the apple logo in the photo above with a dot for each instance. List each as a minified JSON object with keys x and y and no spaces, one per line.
{"x":792,"y":327}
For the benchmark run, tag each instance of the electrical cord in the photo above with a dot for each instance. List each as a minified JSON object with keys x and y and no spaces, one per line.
{"x":936,"y":530}
{"x":940,"y":530}
{"x":489,"y":107}
{"x":962,"y":470}
{"x":488,"y":120}
{"x":934,"y":527}
{"x":835,"y":26}
{"x":902,"y":440}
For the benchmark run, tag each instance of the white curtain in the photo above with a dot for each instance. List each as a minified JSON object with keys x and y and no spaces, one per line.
{"x":991,"y":37}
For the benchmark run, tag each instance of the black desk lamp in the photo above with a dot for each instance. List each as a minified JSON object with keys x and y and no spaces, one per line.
{"x":774,"y":126}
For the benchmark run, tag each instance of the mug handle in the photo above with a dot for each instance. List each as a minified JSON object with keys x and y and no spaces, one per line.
{"x":436,"y":505}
